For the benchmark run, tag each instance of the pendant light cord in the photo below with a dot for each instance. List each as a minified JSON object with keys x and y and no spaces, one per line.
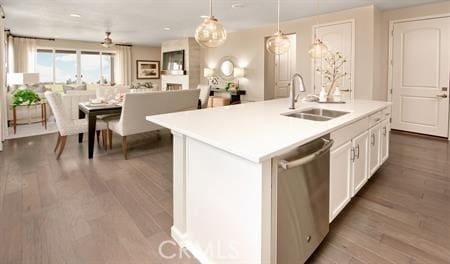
{"x":278,"y":16}
{"x":210,"y":8}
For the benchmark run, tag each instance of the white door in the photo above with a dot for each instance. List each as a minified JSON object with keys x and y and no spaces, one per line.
{"x":339,"y":38}
{"x":360,"y":162}
{"x":374,"y":149}
{"x":340,"y":176}
{"x":284,"y":69}
{"x":420,"y":76}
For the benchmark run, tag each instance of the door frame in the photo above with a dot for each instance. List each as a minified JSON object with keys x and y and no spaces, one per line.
{"x":391,"y":48}
{"x":352,"y":73}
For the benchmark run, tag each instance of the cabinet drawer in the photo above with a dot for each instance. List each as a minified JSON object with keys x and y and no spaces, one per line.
{"x":348,"y":132}
{"x":376,"y":118}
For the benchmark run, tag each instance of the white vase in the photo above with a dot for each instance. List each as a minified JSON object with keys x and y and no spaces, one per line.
{"x":337,"y":95}
{"x":323,"y":95}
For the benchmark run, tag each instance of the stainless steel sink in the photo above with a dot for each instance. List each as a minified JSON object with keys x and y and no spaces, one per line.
{"x":317,"y":114}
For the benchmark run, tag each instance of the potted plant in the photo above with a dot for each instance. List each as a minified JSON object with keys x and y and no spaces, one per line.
{"x":25,"y":97}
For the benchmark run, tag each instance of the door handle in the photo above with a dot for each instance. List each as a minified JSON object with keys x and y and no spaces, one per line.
{"x":442,"y":95}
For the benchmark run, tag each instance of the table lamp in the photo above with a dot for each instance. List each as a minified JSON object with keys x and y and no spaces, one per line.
{"x":22,"y":78}
{"x":238,"y":73}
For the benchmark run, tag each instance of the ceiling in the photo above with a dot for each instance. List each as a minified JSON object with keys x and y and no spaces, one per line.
{"x":143,"y":21}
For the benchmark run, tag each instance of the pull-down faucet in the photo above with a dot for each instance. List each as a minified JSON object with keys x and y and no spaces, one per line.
{"x":293,"y":86}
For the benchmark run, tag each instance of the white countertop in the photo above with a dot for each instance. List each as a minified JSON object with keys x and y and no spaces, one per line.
{"x":257,"y":131}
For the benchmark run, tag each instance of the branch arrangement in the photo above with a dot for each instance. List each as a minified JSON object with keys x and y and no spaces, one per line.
{"x":333,"y":70}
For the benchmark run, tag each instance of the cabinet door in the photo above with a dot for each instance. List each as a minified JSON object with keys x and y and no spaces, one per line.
{"x":374,"y":149}
{"x":340,"y":176}
{"x":360,"y":162}
{"x":384,"y":141}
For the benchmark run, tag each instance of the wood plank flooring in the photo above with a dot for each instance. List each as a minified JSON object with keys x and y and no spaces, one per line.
{"x":109,"y":210}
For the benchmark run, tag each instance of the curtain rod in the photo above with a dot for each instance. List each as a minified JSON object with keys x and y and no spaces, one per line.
{"x":28,"y":37}
{"x":51,"y":39}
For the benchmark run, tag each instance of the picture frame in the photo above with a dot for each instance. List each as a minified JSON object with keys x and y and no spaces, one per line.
{"x":147,"y":69}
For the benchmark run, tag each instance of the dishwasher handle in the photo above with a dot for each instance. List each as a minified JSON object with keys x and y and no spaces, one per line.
{"x":299,"y":162}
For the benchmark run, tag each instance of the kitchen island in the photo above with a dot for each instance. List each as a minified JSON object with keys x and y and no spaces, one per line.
{"x":222,"y":170}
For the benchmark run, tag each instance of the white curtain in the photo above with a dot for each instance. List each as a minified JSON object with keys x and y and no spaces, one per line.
{"x":122,"y":69}
{"x":23,"y":55}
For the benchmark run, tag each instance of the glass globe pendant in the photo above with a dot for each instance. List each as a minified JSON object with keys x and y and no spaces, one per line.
{"x":210,"y":33}
{"x":318,"y":49}
{"x":278,"y":43}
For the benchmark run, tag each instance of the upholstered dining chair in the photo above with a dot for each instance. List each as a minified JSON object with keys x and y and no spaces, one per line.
{"x":204,"y":95}
{"x":67,"y":125}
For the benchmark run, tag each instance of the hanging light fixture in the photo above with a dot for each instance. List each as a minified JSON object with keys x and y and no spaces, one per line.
{"x":279,"y":43}
{"x":318,"y":49}
{"x":210,"y":33}
{"x":107,"y":43}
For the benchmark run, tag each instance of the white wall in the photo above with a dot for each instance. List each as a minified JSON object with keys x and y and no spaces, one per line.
{"x":248,"y":47}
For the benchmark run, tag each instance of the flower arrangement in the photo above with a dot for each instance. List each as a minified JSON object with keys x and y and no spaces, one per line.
{"x":333,"y":70}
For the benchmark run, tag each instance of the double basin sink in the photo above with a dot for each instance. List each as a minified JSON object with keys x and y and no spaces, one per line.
{"x":317,"y":114}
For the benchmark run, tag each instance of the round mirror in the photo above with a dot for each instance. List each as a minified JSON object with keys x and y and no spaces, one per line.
{"x":226,"y":68}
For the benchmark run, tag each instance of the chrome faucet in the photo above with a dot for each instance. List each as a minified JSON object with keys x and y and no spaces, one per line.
{"x":292,"y":97}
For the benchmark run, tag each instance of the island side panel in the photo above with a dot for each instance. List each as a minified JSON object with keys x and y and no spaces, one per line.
{"x":178,"y":230}
{"x":228,"y":206}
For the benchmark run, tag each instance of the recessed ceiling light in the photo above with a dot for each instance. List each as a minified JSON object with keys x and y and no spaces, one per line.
{"x":75,"y":15}
{"x":167,"y":28}
{"x":204,"y":16}
{"x":237,"y":5}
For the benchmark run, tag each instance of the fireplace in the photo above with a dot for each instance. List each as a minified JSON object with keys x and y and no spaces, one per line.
{"x":174,"y":86}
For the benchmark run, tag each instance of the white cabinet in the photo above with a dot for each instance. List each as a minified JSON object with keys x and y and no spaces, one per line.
{"x":384,"y":140}
{"x":340,"y":177}
{"x":374,"y":149}
{"x":360,"y":162}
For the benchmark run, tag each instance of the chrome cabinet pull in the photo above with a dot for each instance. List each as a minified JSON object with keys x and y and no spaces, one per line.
{"x":357,"y":152}
{"x":352,"y":154}
{"x":372,"y":139}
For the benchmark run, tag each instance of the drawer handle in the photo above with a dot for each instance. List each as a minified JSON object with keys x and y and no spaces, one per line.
{"x":352,"y":154}
{"x":372,"y":139}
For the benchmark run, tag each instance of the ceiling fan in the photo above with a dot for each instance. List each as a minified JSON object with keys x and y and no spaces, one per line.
{"x":107,"y":42}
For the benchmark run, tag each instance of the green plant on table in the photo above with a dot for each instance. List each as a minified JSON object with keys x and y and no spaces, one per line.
{"x":25,"y":97}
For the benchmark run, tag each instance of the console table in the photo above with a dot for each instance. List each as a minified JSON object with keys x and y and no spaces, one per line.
{"x":42,"y":104}
{"x":235,"y":95}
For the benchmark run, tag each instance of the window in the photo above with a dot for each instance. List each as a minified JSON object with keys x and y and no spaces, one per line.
{"x":68,"y":67}
{"x":44,"y":65}
{"x":65,"y":67}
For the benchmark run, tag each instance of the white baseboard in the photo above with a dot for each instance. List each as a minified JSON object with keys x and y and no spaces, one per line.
{"x":184,"y":242}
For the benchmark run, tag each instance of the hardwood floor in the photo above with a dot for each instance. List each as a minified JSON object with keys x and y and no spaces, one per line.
{"x":402,"y":215}
{"x":111,"y":210}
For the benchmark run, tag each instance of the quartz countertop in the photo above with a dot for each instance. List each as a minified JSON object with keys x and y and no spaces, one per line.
{"x":258,"y":131}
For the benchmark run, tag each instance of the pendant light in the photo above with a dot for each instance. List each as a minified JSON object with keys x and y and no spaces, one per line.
{"x":279,"y":43}
{"x":318,"y":49}
{"x":210,"y":33}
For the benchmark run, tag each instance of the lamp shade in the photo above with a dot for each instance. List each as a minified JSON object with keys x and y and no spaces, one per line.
{"x":22,"y":78}
{"x":208,"y":72}
{"x":239,"y":72}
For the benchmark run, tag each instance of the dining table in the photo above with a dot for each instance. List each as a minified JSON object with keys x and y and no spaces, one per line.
{"x":92,"y":111}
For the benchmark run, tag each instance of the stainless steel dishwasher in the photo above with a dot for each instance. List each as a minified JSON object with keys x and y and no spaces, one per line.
{"x":302,"y":186}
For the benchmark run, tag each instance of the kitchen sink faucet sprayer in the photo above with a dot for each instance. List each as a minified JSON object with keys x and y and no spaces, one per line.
{"x":293,"y":86}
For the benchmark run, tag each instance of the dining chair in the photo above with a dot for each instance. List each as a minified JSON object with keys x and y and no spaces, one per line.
{"x":66,"y":125}
{"x":204,"y":95}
